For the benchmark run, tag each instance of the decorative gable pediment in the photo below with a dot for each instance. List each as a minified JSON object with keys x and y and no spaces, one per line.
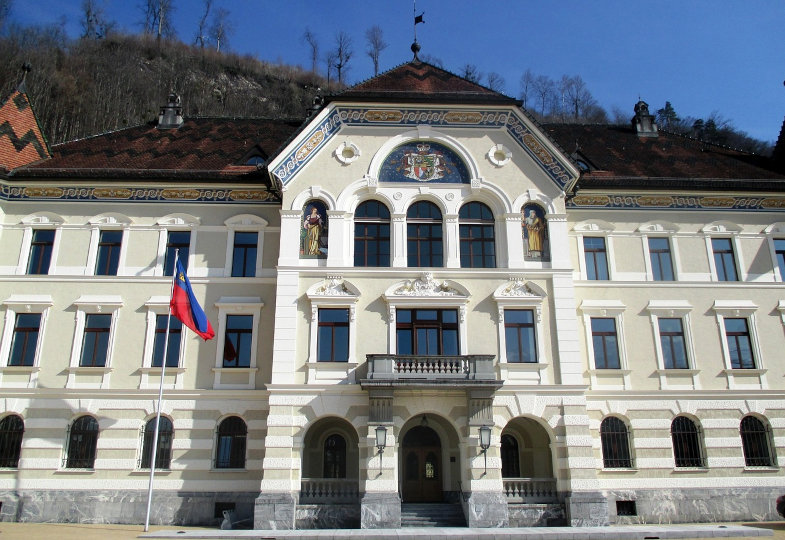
{"x":426,"y":287}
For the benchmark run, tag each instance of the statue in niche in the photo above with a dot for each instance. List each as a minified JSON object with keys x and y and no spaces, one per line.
{"x":313,"y":233}
{"x":535,"y":233}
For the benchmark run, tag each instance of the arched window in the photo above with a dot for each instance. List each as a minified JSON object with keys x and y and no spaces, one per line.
{"x":686,"y":437}
{"x":511,"y":463}
{"x":476,"y":229}
{"x":230,"y":447}
{"x":372,"y":235}
{"x":11,"y":429}
{"x":335,"y":457}
{"x":163,"y":454}
{"x":82,"y":441}
{"x":756,"y":442}
{"x":424,"y":245}
{"x":615,"y":444}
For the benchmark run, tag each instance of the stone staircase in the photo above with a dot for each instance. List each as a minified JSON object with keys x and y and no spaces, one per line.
{"x":432,"y":515}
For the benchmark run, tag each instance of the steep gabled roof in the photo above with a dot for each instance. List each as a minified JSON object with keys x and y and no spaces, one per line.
{"x":21,"y":139}
{"x":418,"y":81}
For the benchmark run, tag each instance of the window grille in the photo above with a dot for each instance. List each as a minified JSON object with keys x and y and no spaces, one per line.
{"x":230,"y":447}
{"x":163,"y":454}
{"x":686,"y":437}
{"x":12,"y":428}
{"x":82,"y":442}
{"x":756,"y":442}
{"x":615,"y":444}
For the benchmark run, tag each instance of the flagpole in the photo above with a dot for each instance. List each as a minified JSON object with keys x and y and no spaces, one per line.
{"x":160,"y":396}
{"x":414,"y":13}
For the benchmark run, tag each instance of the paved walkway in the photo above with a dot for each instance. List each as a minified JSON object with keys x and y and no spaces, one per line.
{"x":629,"y":532}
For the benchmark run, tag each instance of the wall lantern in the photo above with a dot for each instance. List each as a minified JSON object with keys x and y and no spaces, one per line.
{"x":485,"y":443}
{"x":381,"y":443}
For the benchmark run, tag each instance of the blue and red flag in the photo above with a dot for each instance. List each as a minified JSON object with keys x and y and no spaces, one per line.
{"x":185,"y":307}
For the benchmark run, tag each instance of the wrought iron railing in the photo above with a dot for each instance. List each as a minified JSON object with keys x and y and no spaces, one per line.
{"x":530,"y":490}
{"x":329,"y":490}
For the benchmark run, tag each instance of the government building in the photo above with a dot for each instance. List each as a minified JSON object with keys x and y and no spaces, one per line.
{"x":428,"y":308}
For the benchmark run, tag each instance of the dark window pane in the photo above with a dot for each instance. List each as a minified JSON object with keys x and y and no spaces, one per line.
{"x":108,"y":256}
{"x":176,"y":240}
{"x":230,"y":447}
{"x":238,"y":341}
{"x":333,"y":335}
{"x":661,"y":263}
{"x":595,"y":258}
{"x":779,"y":250}
{"x":615,"y":443}
{"x":604,"y":342}
{"x":95,"y":343}
{"x":476,"y":232}
{"x":685,"y":436}
{"x":519,"y":335}
{"x":41,"y":251}
{"x":756,"y":442}
{"x":11,"y":430}
{"x":82,"y":442}
{"x":372,"y":235}
{"x":674,"y":350}
{"x":25,"y":339}
{"x":163,"y":453}
{"x":175,"y":334}
{"x":244,"y":254}
{"x":739,"y":344}
{"x":427,"y":332}
{"x":724,"y":259}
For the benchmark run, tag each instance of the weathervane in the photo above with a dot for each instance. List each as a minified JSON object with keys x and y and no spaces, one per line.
{"x":417,"y":20}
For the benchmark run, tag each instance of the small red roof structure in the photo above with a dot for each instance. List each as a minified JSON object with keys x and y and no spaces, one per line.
{"x":21,"y":139}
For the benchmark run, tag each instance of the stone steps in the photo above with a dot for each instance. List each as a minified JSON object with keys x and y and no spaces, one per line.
{"x":432,"y":515}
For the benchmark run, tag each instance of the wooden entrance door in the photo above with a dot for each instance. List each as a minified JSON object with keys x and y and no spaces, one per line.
{"x":422,"y":466}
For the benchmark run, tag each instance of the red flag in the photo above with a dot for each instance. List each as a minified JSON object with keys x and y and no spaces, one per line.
{"x":185,"y":307}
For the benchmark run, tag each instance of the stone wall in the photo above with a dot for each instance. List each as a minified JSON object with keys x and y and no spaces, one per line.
{"x":327,"y":516}
{"x":537,"y":515}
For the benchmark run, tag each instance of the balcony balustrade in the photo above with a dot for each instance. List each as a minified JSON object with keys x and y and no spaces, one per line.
{"x":329,"y":490}
{"x":403,"y":369}
{"x":530,"y":490}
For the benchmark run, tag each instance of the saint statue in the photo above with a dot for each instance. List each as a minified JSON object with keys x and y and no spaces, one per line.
{"x":534,"y":233}
{"x":312,"y":230}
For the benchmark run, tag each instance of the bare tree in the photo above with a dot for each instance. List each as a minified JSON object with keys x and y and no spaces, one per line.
{"x":330,"y":61}
{"x":94,"y":22}
{"x":5,"y":11}
{"x":496,"y":82}
{"x":310,"y":39}
{"x":434,"y":61}
{"x":376,"y":44}
{"x":576,"y":97}
{"x":545,"y":90}
{"x":201,"y":31}
{"x":471,"y":73}
{"x":343,"y":53}
{"x":158,"y":18}
{"x":221,"y":28}
{"x":527,"y":86}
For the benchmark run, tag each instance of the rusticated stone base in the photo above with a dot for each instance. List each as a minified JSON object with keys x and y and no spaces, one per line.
{"x":274,"y":511}
{"x":327,"y":516}
{"x":486,"y":509}
{"x":587,"y":509}
{"x":380,"y":511}
{"x":537,"y":515}
{"x":112,"y":506}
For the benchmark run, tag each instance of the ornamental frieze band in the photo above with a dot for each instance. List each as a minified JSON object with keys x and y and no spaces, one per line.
{"x":238,"y":196}
{"x":676,"y":202}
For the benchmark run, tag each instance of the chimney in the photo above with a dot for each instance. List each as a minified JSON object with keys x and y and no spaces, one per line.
{"x":171,"y":115}
{"x":643,"y":122}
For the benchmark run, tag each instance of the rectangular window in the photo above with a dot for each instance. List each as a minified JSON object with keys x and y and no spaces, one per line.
{"x":605,"y":343}
{"x":779,"y":251}
{"x":95,"y":344}
{"x":674,"y":350}
{"x":173,"y":349}
{"x":739,"y":346}
{"x":333,"y":336}
{"x":519,"y":335}
{"x":41,"y":251}
{"x":427,"y":331}
{"x":371,"y":243}
{"x":661,"y":262}
{"x":596,"y":257}
{"x":25,"y":339}
{"x":108,"y":257}
{"x":176,"y":240}
{"x":244,"y":255}
{"x":724,"y":259}
{"x":237,"y":341}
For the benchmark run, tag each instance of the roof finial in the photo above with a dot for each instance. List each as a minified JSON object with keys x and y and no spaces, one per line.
{"x":26,"y":68}
{"x":417,"y":20}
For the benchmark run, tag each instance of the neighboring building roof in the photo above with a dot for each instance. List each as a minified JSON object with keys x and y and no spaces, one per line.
{"x":21,"y":139}
{"x":617,"y":157}
{"x":418,"y":81}
{"x":201,"y":148}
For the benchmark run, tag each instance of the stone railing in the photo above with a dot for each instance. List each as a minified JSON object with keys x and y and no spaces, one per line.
{"x":329,"y":490}
{"x":412,"y":367}
{"x":530,"y":490}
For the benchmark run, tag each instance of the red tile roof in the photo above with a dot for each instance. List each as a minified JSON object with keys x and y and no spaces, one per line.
{"x":21,"y":140}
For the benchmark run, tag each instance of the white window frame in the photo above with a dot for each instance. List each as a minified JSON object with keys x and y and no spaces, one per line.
{"x":331,"y":293}
{"x":175,"y":223}
{"x":245,"y":223}
{"x":518,"y":294}
{"x":92,"y":304}
{"x":159,"y":305}
{"x":595,"y":228}
{"x":39,"y":220}
{"x":21,"y":304}
{"x":672,"y":378}
{"x":773,"y":232}
{"x":236,"y":305}
{"x":607,"y":309}
{"x":102,"y":223}
{"x":661,"y":230}
{"x":739,"y":378}
{"x":730,"y":231}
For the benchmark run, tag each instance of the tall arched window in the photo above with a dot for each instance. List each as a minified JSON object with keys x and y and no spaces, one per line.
{"x":11,"y":429}
{"x":476,"y":229}
{"x":82,"y":442}
{"x":372,"y":235}
{"x":756,"y":442}
{"x":424,"y":246}
{"x":511,"y":463}
{"x":335,"y":457}
{"x":615,"y":443}
{"x":686,"y":437}
{"x":230,"y":446}
{"x":163,"y":454}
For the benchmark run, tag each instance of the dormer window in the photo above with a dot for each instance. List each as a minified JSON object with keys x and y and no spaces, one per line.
{"x":255,"y":160}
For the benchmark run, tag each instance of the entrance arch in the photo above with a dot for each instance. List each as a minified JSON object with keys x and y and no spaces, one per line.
{"x":422,"y":466}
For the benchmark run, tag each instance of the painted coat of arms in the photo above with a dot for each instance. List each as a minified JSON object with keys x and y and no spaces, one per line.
{"x":424,"y":165}
{"x":424,"y":161}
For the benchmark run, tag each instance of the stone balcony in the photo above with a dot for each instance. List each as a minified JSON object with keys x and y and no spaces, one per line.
{"x":400,"y":370}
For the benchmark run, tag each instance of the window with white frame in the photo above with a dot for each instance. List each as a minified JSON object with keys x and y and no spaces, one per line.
{"x":156,"y":340}
{"x":670,"y":321}
{"x":108,"y":244}
{"x":40,"y":243}
{"x":722,"y":244}
{"x":23,"y":336}
{"x":603,"y":324}
{"x":333,"y":335}
{"x":93,"y":344}
{"x":177,"y":233}
{"x":775,"y":234}
{"x":659,"y":247}
{"x":244,"y":246}
{"x":594,"y":250}
{"x":238,"y":342}
{"x":739,"y":335}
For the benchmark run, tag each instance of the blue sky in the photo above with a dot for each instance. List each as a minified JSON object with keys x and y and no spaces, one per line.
{"x":701,"y":55}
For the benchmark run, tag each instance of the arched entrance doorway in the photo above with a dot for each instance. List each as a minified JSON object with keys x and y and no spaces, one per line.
{"x":422,"y":466}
